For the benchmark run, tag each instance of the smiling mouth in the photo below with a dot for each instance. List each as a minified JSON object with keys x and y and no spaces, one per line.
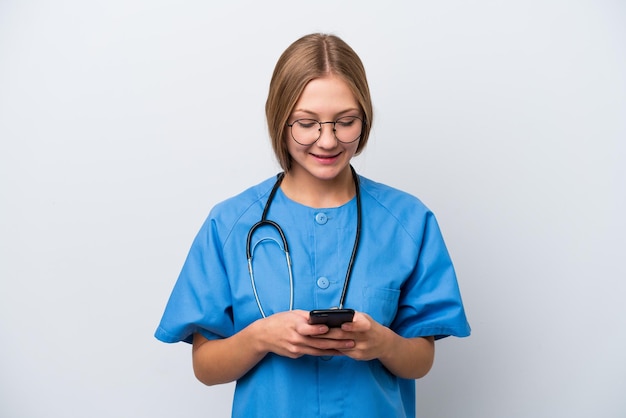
{"x":326,"y":157}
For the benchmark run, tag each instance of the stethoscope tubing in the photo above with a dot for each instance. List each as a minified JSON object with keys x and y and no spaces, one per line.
{"x":357,"y":237}
{"x":287,"y":256}
{"x":266,"y":222}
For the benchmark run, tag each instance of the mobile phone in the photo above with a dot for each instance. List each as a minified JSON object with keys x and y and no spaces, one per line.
{"x":331,"y":317}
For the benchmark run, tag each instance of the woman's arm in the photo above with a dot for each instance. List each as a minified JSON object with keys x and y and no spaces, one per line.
{"x":409,"y":358}
{"x":225,"y":360}
{"x":287,"y":334}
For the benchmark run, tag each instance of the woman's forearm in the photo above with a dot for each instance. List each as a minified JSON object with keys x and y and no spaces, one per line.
{"x":409,"y":358}
{"x":225,"y":360}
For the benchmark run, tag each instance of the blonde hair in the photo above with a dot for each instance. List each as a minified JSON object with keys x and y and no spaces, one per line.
{"x":310,"y":57}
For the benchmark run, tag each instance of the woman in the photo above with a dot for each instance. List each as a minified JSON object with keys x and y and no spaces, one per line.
{"x":352,"y":243}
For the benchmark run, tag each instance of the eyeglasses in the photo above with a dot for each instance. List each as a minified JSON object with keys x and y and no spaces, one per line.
{"x":347,"y":129}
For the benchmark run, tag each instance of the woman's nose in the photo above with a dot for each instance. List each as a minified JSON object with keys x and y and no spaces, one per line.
{"x":327,"y":137}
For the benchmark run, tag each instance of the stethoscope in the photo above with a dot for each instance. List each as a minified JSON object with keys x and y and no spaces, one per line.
{"x":266,"y":222}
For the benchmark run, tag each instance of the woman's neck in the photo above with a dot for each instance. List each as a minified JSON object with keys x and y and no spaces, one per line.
{"x":319,"y":193}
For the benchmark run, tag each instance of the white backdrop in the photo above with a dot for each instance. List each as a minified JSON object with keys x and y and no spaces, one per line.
{"x":123,"y":122}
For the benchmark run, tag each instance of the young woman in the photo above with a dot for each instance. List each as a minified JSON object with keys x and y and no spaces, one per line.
{"x":317,"y":236}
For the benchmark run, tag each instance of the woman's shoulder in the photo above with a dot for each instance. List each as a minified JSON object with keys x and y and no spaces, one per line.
{"x":391,"y":206}
{"x":230,"y":210}
{"x":392,"y":199}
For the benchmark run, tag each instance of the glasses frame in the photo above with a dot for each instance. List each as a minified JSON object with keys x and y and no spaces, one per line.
{"x":334,"y":123}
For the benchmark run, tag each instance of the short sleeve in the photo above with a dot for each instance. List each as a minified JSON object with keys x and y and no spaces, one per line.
{"x":200,"y":300}
{"x":430,"y":302}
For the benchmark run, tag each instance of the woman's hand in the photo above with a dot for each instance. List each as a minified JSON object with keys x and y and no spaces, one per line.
{"x":409,"y":358}
{"x":289,"y":334}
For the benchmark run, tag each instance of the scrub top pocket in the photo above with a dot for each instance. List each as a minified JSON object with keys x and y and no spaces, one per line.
{"x":381,"y":304}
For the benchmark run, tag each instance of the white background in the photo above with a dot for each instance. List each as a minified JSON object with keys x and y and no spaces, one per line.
{"x":123,"y":122}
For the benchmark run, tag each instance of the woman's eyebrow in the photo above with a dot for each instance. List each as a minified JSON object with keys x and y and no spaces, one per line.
{"x":338,"y":114}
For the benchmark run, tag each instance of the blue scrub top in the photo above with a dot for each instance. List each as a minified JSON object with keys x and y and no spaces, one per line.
{"x":402,"y":276}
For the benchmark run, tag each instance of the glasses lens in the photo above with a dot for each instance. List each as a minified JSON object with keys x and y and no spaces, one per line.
{"x":305,"y":131}
{"x":348,"y":128}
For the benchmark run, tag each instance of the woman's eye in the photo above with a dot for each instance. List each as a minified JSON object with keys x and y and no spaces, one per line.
{"x":346,"y":122}
{"x":306,"y":123}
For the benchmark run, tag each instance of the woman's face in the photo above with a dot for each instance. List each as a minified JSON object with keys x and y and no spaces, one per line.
{"x":323,"y":99}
